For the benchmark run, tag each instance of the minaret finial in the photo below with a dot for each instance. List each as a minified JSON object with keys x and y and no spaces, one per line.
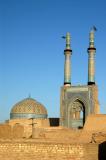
{"x":68,"y":40}
{"x":91,"y":37}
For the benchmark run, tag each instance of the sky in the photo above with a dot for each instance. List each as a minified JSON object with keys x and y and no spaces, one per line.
{"x":32,"y":50}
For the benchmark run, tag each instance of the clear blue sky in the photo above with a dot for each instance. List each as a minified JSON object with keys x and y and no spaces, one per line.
{"x":31,"y":49}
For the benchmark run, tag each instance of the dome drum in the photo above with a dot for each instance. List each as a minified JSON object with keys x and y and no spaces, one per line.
{"x":27,"y":116}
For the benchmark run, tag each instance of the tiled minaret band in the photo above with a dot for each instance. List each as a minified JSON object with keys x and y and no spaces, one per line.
{"x":67,"y":67}
{"x":91,"y":58}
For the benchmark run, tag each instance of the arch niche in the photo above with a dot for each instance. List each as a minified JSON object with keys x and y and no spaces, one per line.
{"x":76,"y":114}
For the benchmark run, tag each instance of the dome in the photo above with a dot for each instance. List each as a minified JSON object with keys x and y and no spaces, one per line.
{"x":28,"y":108}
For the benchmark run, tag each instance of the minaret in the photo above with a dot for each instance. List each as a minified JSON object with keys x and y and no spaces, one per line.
{"x":91,"y":58}
{"x":67,"y":67}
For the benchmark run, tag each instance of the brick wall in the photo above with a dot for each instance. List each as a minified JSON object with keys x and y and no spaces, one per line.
{"x":31,"y":150}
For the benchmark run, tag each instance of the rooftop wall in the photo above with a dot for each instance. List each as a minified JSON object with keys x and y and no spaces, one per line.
{"x":8,"y":132}
{"x":96,"y":123}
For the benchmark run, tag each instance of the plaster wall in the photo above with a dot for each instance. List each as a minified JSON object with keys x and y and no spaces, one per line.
{"x":96,"y":123}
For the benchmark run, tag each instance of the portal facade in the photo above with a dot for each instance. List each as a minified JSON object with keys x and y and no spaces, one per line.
{"x":77,"y":102}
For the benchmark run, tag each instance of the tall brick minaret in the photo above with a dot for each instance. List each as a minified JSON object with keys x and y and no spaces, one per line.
{"x":67,"y":67}
{"x":91,"y":58}
{"x":91,"y":72}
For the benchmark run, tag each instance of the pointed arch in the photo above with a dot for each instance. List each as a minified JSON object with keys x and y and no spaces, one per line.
{"x":76,"y":112}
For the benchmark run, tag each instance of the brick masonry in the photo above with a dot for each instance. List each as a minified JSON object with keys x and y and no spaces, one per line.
{"x":30,"y":150}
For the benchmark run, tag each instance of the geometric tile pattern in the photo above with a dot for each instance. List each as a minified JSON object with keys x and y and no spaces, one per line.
{"x":29,"y":106}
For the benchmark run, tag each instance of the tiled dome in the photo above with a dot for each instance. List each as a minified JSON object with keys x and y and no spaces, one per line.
{"x":28,"y":108}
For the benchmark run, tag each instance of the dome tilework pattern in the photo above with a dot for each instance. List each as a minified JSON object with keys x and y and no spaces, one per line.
{"x":28,"y":106}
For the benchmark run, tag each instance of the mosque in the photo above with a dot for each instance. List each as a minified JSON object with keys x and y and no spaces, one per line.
{"x":76,"y":102}
{"x":76,"y":134}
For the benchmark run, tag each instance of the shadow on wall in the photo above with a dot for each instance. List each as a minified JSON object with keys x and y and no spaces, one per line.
{"x":102,"y":151}
{"x":54,"y":122}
